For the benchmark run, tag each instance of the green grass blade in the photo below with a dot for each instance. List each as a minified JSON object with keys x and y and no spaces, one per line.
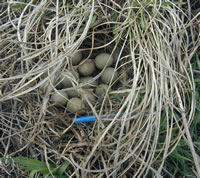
{"x":27,"y":162}
{"x":30,"y":164}
{"x":17,"y":5}
{"x":93,"y":20}
{"x":182,"y":157}
{"x":44,"y":171}
{"x":63,"y":168}
{"x":197,"y":80}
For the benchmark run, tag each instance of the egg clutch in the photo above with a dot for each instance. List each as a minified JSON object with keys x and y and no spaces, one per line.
{"x":79,"y":84}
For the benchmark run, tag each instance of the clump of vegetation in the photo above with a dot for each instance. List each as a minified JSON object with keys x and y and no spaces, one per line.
{"x":148,"y":94}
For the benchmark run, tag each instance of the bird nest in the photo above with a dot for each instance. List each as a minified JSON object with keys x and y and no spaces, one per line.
{"x":141,"y":116}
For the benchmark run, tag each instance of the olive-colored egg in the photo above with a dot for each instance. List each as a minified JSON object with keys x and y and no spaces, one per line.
{"x":88,"y":82}
{"x":87,"y":95}
{"x":59,"y":97}
{"x":103,"y":59}
{"x":67,"y":77}
{"x":73,"y":93}
{"x":76,"y":58}
{"x":86,"y":67}
{"x":107,"y":75}
{"x":101,"y":89}
{"x":76,"y":105}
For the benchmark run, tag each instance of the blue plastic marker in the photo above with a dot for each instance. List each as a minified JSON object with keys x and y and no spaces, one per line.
{"x":92,"y":118}
{"x":85,"y":119}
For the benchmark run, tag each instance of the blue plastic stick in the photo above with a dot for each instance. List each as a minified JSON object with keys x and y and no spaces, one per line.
{"x":85,"y":119}
{"x":92,"y":118}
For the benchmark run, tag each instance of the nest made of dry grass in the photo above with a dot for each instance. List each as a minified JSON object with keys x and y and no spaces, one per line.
{"x":152,"y":43}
